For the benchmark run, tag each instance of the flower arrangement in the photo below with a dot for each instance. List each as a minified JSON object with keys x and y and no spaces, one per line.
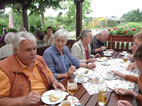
{"x":124,"y":30}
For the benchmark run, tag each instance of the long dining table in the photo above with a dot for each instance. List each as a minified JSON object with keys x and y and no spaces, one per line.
{"x":92,"y":100}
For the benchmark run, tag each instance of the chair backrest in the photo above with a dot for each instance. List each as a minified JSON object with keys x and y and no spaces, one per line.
{"x":40,"y":50}
{"x":70,"y":42}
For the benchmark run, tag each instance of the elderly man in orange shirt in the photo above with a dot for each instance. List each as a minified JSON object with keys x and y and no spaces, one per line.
{"x":24,"y":76}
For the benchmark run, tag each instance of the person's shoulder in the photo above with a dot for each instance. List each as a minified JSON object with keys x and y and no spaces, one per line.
{"x":51,"y":49}
{"x":66,"y":48}
{"x":77,"y":43}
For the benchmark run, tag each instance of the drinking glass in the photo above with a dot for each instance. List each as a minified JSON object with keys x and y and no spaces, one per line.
{"x":102,"y":95}
{"x":71,"y":87}
{"x":125,"y":58}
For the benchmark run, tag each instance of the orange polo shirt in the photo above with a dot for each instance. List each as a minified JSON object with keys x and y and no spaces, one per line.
{"x":37,"y":84}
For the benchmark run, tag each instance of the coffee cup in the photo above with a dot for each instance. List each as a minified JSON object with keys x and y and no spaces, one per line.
{"x":110,"y":75}
{"x":65,"y":103}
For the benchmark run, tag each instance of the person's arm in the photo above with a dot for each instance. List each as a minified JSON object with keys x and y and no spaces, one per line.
{"x":131,"y":78}
{"x":30,"y":99}
{"x":76,"y":52}
{"x":102,"y":48}
{"x":90,"y":66}
{"x":5,"y":100}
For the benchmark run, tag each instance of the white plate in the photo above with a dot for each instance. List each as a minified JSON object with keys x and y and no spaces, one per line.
{"x":73,"y":100}
{"x":107,"y":78}
{"x":123,"y":54}
{"x":83,"y":70}
{"x":83,"y":80}
{"x":107,"y":54}
{"x":116,"y":84}
{"x":58,"y":92}
{"x":124,"y":65}
{"x":101,"y":59}
{"x":105,"y":63}
{"x":70,"y":102}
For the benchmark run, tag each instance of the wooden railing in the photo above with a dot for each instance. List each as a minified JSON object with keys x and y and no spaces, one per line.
{"x":116,"y":42}
{"x":120,"y":43}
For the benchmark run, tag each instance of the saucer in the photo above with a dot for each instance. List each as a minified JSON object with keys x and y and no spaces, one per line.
{"x":107,"y":54}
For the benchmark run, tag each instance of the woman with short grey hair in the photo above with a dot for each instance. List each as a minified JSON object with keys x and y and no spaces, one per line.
{"x":62,"y":33}
{"x":81,"y":49}
{"x":59,"y":59}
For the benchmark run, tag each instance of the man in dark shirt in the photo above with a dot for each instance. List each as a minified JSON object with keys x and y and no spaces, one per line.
{"x":98,"y":42}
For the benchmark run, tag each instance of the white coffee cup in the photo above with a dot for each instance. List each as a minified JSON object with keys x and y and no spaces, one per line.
{"x":110,"y":75}
{"x":66,"y":103}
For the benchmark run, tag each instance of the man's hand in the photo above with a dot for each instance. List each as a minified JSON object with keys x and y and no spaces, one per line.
{"x":72,"y":69}
{"x":91,"y":60}
{"x":102,"y":48}
{"x":91,"y":65}
{"x":131,"y":66}
{"x":117,"y":73}
{"x":57,"y":84}
{"x":31,"y":98}
{"x":123,"y":103}
{"x":122,"y":91}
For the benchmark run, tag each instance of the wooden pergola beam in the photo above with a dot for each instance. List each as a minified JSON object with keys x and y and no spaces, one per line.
{"x":78,"y":16}
{"x":25,"y":6}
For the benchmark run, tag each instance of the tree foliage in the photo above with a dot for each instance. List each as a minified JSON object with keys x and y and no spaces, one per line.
{"x":39,"y":6}
{"x":133,"y":16}
{"x":69,"y":19}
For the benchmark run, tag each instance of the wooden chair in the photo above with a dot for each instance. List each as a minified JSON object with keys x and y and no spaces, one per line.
{"x":70,"y":42}
{"x":40,"y":50}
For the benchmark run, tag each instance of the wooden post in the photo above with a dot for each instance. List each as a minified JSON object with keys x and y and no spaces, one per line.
{"x":78,"y":17}
{"x":25,"y":18}
{"x":25,"y":5}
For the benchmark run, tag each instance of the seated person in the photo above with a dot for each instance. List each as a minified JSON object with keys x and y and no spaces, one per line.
{"x":39,"y":36}
{"x":59,"y":59}
{"x":81,"y":49}
{"x":98,"y":42}
{"x":24,"y":76}
{"x":137,"y":42}
{"x":22,"y":29}
{"x":135,"y":79}
{"x":7,"y":50}
{"x":49,"y":37}
{"x":5,"y":31}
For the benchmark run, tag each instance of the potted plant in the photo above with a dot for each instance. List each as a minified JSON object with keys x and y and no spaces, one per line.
{"x":123,"y":33}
